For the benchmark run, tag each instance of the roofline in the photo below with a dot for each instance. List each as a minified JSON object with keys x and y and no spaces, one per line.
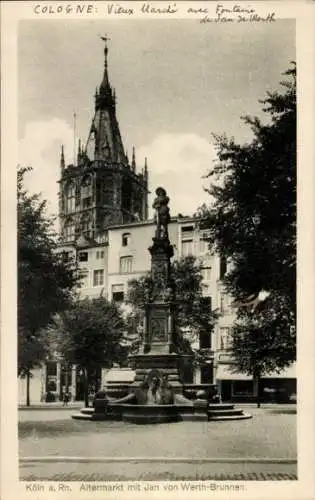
{"x":150,"y":222}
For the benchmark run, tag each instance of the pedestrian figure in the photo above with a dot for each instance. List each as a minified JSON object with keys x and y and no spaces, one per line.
{"x":65,"y":398}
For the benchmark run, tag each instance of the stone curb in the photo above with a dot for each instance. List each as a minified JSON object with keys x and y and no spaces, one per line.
{"x":54,"y":407}
{"x":80,"y":404}
{"x":249,"y":460}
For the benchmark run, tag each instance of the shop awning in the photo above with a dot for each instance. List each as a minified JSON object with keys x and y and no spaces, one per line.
{"x":225,"y":372}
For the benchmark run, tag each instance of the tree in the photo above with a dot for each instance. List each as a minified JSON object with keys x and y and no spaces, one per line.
{"x":194,"y":316}
{"x":252,"y":224}
{"x":46,"y":282}
{"x":92,"y":336}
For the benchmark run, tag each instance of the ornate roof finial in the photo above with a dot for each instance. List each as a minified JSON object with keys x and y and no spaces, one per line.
{"x":62,"y":158}
{"x":79,"y":150}
{"x":105,"y":82}
{"x":133,"y":161}
{"x":146,"y":167}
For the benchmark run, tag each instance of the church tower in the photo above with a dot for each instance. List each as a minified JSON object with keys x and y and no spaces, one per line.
{"x":102,"y":188}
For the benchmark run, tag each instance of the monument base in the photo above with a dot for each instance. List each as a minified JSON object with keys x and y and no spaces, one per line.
{"x":166,"y":364}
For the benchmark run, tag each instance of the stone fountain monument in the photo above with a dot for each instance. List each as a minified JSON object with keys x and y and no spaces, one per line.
{"x":159,"y":346}
{"x":156,"y":394}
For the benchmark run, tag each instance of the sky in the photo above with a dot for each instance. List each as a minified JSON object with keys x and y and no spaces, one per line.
{"x":177,"y":82}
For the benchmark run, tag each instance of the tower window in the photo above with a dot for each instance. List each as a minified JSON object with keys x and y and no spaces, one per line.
{"x":118,"y":293}
{"x":126,"y":239}
{"x":125,"y":264}
{"x":69,"y":231}
{"x":70,"y":200}
{"x":86,"y":226}
{"x":87,"y":202}
{"x":98,"y":277}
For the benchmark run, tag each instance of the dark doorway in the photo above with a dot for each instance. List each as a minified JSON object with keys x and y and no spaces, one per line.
{"x":226,"y":390}
{"x":206,"y":374}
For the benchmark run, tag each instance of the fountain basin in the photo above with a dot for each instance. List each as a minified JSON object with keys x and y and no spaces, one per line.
{"x":149,"y":414}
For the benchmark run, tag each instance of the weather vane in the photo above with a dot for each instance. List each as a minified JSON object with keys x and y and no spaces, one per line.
{"x":105,"y":38}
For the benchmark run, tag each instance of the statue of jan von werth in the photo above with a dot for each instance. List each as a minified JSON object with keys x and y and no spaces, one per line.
{"x":162,"y":213}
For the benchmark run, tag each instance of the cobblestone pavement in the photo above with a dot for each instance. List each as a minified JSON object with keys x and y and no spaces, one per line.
{"x":271,"y":433}
{"x":157,"y":472}
{"x":47,"y":415}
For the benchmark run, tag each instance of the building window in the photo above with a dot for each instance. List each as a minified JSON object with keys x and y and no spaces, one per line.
{"x":223,"y":267}
{"x":100,"y":254}
{"x":225,"y":302}
{"x":51,"y":369}
{"x":87,"y":202}
{"x":125,"y":264}
{"x":206,"y":273}
{"x":98,"y":277}
{"x":203,"y":246}
{"x":83,"y":256}
{"x":67,"y":256}
{"x":69,"y":231}
{"x":126,"y":239}
{"x":187,"y":232}
{"x":84,"y":275}
{"x":243,"y":388}
{"x":70,"y":200}
{"x":86,"y":188}
{"x":205,"y":340}
{"x":225,"y":338}
{"x":118,"y":293}
{"x":187,"y":248}
{"x":86,"y":226}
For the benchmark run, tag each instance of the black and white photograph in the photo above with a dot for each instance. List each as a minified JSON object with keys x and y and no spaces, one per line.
{"x":155,"y":187}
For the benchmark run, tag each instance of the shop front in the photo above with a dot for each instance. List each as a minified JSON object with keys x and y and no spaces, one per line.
{"x":239,"y":387}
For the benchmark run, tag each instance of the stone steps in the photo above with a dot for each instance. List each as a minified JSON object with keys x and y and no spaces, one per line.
{"x":82,"y":416}
{"x":221,"y":406}
{"x":141,"y":414}
{"x":221,"y":418}
{"x":224,"y":412}
{"x":87,"y":411}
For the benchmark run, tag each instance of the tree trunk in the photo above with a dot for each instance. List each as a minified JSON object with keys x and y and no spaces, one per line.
{"x":258,"y":391}
{"x":86,"y":388}
{"x":96,"y":380}
{"x":28,"y":377}
{"x":67,"y":378}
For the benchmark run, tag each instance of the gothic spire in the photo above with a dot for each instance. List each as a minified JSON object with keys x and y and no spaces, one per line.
{"x":104,"y":141}
{"x":62,"y":158}
{"x":133,"y":161}
{"x":146,"y":168}
{"x":105,"y":83}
